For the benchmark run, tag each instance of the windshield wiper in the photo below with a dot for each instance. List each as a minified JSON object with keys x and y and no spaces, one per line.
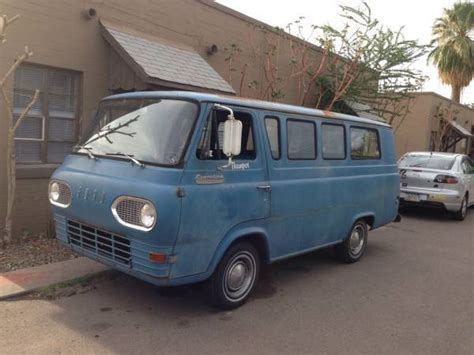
{"x":130,"y":157}
{"x":88,"y":151}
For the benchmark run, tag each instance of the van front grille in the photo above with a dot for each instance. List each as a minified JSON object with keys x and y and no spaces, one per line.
{"x":100,"y":242}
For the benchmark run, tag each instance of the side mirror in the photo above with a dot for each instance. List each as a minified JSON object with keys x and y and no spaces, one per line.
{"x":232,"y":137}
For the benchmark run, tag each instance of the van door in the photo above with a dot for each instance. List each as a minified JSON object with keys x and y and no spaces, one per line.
{"x":219,"y":197}
{"x":300,"y":211}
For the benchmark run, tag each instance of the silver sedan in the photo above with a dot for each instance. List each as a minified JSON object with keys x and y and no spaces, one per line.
{"x":435,"y":179}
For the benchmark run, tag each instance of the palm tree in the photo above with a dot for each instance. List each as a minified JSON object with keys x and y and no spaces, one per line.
{"x":453,"y":54}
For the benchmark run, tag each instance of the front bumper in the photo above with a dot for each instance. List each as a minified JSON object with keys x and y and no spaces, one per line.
{"x":448,"y":199}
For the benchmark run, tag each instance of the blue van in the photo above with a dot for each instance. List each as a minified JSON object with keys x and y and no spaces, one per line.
{"x":180,"y":187}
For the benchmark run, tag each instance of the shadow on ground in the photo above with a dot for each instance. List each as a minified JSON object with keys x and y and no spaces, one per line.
{"x":429,"y":213}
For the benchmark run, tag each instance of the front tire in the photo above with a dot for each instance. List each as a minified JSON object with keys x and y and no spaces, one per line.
{"x":235,"y":277}
{"x":352,"y":249}
{"x":461,"y":214}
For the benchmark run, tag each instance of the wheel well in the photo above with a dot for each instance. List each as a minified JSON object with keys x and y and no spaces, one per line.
{"x":369,"y":220}
{"x":259,"y":242}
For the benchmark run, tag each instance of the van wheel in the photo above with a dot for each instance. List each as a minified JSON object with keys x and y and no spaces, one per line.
{"x":352,"y":249}
{"x":461,"y":214}
{"x":235,"y":277}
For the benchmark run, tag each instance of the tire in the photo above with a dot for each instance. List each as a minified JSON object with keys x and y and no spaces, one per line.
{"x":352,"y":249}
{"x":461,"y":214}
{"x":235,"y":277}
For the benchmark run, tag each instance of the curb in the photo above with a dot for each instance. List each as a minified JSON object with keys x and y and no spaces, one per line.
{"x":20,"y":282}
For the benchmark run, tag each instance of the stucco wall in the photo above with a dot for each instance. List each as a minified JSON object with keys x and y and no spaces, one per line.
{"x":414,"y":133}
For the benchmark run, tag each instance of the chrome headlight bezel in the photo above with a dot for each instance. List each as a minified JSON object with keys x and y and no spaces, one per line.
{"x":59,"y":187}
{"x":136,"y":213}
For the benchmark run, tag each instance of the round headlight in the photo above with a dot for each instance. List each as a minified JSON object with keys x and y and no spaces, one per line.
{"x":54,"y":191}
{"x":148,"y":215}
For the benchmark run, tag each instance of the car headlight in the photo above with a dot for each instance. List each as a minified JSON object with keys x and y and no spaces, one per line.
{"x":54,"y":191}
{"x":148,"y":215}
{"x":59,"y":193}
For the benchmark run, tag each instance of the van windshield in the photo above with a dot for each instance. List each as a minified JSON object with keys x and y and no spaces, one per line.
{"x":153,"y":132}
{"x":439,"y":162}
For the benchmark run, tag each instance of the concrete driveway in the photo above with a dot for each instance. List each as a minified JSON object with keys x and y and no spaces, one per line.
{"x":411,"y":293}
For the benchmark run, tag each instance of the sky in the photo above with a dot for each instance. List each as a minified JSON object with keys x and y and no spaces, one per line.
{"x":416,"y":16}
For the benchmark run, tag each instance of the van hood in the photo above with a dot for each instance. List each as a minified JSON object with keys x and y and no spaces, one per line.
{"x":96,"y":184}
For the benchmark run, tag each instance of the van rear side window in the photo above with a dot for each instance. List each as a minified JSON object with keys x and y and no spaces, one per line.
{"x":334,"y":141}
{"x":301,"y":140}
{"x":364,"y":143}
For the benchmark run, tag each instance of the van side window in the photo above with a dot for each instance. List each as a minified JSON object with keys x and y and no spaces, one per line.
{"x":211,"y":142}
{"x":272,"y":126}
{"x":334,"y":141}
{"x":364,"y":143}
{"x":301,"y":140}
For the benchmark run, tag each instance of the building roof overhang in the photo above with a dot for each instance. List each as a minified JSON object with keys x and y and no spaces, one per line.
{"x":164,"y":63}
{"x":460,"y":130}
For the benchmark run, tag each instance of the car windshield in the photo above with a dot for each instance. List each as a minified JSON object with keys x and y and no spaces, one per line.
{"x":153,"y":132}
{"x":439,"y":162}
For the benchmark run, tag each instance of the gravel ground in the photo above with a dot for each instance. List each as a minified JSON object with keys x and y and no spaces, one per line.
{"x":32,"y":251}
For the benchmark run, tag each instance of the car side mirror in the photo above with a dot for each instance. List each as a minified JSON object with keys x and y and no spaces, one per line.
{"x":231,"y":145}
{"x":232,"y":140}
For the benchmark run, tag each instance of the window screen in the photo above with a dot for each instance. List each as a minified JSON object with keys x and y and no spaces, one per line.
{"x":272,"y":126}
{"x":334,"y":144}
{"x":301,"y":140}
{"x":364,"y":143}
{"x":48,"y":133}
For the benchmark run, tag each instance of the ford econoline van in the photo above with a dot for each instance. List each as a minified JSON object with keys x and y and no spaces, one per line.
{"x":179,"y":187}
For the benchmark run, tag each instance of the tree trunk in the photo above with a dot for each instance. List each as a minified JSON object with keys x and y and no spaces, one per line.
{"x":456,"y":93}
{"x":11,"y":186}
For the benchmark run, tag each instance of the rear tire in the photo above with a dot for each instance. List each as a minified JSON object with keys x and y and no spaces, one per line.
{"x":352,"y":249}
{"x":461,"y":214}
{"x":235,"y":277}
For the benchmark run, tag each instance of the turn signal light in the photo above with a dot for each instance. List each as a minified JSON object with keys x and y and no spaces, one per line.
{"x":157,"y":258}
{"x":446,"y":179}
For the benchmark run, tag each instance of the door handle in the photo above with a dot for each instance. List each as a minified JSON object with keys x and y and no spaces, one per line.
{"x":264,"y":187}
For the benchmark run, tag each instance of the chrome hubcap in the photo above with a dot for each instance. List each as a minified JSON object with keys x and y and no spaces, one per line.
{"x":239,"y":276}
{"x":357,"y":240}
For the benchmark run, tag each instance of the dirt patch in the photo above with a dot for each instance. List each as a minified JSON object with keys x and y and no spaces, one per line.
{"x":33,"y":251}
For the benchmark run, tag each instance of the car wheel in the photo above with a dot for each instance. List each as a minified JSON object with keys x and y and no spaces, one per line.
{"x":352,"y":249}
{"x":235,"y":277}
{"x":461,"y":214}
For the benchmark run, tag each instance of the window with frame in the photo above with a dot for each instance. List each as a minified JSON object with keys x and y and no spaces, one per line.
{"x":467,"y":167}
{"x":334,"y":141}
{"x":272,"y":126}
{"x":211,"y":143}
{"x":365,"y":143}
{"x":301,"y":140}
{"x":49,"y":131}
